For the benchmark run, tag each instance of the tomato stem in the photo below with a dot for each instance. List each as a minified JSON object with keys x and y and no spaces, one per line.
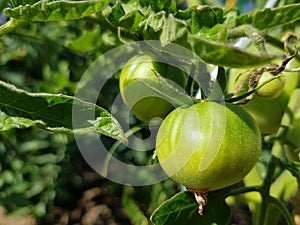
{"x":285,"y":212}
{"x":243,"y":190}
{"x":266,"y":189}
{"x":201,"y":198}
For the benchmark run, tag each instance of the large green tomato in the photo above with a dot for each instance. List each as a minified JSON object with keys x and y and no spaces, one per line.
{"x":267,"y":111}
{"x":145,"y":103}
{"x":208,"y":146}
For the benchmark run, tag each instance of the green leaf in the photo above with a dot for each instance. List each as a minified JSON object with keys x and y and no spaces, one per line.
{"x":10,"y":122}
{"x":294,"y":168}
{"x":173,"y":29}
{"x":131,"y":21}
{"x":56,"y":10}
{"x":135,"y":214}
{"x":170,"y":29}
{"x":270,"y":18}
{"x":167,"y":91}
{"x":216,"y":33}
{"x":88,"y":41}
{"x":53,"y":112}
{"x":116,"y":13}
{"x":225,"y":55}
{"x":168,"y":6}
{"x":16,"y":3}
{"x":198,"y":17}
{"x":183,"y":209}
{"x":165,"y":27}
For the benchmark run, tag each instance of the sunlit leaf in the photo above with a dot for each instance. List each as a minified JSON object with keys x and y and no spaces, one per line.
{"x":10,"y":122}
{"x":131,"y":21}
{"x":294,"y":168}
{"x":160,"y":5}
{"x":225,"y":55}
{"x":167,"y":91}
{"x":198,"y":17}
{"x":164,"y":27}
{"x":88,"y":41}
{"x":269,"y":18}
{"x":56,"y":10}
{"x":53,"y":112}
{"x":116,"y":13}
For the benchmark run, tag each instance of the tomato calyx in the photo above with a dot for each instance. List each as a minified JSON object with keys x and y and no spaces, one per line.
{"x":201,"y":199}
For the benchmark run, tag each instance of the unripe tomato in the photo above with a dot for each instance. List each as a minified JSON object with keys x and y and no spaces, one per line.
{"x":272,"y":89}
{"x":208,"y":146}
{"x":144,"y":102}
{"x":267,"y":111}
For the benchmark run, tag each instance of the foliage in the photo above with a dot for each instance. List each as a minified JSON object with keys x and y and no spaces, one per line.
{"x":47,"y":46}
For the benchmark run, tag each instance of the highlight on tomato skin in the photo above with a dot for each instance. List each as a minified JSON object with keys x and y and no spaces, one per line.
{"x":145,"y":103}
{"x":208,"y":146}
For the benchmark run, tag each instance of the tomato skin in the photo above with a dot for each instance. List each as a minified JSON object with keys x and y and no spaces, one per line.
{"x":145,"y":103}
{"x":188,"y":135}
{"x":272,"y":89}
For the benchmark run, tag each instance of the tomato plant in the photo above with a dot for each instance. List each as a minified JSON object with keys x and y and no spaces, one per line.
{"x":76,"y":75}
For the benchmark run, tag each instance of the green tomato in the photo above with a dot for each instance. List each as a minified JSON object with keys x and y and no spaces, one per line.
{"x":145,"y":103}
{"x":272,"y":89}
{"x":266,"y":111}
{"x":208,"y":146}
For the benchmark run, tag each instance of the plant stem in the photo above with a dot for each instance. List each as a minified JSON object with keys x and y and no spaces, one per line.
{"x":250,"y":32}
{"x":278,"y":44}
{"x":114,"y":147}
{"x":10,"y":26}
{"x":243,"y":190}
{"x":266,"y":189}
{"x":282,"y":209}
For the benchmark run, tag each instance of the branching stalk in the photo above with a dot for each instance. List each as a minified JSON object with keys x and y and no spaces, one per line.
{"x":266,"y":189}
{"x":285,"y":212}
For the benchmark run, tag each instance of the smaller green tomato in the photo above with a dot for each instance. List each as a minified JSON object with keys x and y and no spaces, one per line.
{"x":272,"y":89}
{"x":144,"y":102}
{"x":266,"y":111}
{"x":208,"y":146}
